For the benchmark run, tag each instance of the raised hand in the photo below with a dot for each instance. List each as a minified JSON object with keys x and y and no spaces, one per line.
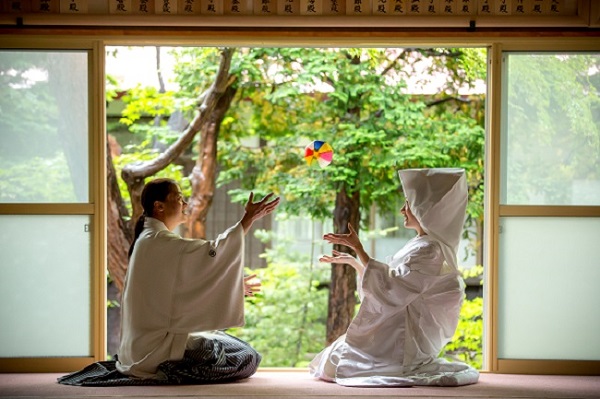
{"x":349,"y":240}
{"x":257,"y":210}
{"x":251,"y":288}
{"x":343,"y":258}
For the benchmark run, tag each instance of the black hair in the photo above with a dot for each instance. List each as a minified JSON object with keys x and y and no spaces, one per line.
{"x":154,"y":190}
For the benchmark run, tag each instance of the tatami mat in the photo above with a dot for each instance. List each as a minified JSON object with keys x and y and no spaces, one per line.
{"x":298,"y":384}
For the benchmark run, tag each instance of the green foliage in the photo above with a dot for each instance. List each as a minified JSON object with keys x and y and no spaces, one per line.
{"x":22,"y":182}
{"x":286,"y":321}
{"x":112,"y":88}
{"x":353,"y":98}
{"x":467,"y":343}
{"x":195,"y":69}
{"x":112,"y":303}
{"x":356,"y":100}
{"x":466,"y":346}
{"x":148,"y":102}
{"x":472,"y":272}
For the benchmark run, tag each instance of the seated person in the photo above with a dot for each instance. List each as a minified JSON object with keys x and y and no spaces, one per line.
{"x":179,"y":293}
{"x":410,"y":305}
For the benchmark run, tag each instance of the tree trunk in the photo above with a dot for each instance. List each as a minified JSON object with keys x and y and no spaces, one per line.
{"x":203,"y":176}
{"x":119,"y":234}
{"x":119,"y":237}
{"x":342,"y":292}
{"x":113,"y":319}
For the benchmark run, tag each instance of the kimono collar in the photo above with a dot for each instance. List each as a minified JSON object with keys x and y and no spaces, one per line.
{"x":438,"y":199}
{"x":154,"y":224}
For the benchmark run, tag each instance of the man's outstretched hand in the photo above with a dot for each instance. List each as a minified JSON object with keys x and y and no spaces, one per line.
{"x":251,"y":288}
{"x":257,"y":210}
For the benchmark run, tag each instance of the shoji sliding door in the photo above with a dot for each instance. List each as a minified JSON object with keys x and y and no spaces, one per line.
{"x":547,"y":252}
{"x":51,"y":208}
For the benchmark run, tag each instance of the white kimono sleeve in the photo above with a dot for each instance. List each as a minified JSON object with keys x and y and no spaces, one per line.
{"x":209,"y":292}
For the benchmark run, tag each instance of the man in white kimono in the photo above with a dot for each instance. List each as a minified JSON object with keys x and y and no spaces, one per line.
{"x":179,"y":293}
{"x":411,"y":304}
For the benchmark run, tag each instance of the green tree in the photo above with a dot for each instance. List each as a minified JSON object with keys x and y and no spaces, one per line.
{"x":356,"y":100}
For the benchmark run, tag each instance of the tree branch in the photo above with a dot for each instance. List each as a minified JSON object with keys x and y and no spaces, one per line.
{"x":134,"y":174}
{"x":447,"y":99}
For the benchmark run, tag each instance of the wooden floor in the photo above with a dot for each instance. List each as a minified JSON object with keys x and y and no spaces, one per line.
{"x":298,"y":384}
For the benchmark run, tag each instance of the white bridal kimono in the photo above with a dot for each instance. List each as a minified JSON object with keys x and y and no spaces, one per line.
{"x":411,"y":305}
{"x":175,"y":287}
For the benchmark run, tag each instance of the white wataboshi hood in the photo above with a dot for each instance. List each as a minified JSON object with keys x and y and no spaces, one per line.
{"x":438,"y":199}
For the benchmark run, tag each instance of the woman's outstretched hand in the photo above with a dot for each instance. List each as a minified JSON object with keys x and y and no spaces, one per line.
{"x":343,"y":258}
{"x":257,"y":210}
{"x":349,"y":240}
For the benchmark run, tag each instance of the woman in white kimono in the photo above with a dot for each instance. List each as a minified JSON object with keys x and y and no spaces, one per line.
{"x":410,"y":305}
{"x":179,"y":293}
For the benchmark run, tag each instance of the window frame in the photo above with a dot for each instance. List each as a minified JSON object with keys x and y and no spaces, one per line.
{"x":95,"y":40}
{"x":495,"y":210}
{"x":95,"y":207}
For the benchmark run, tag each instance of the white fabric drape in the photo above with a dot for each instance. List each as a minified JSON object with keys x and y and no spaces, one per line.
{"x":411,"y":304}
{"x":174,"y":287}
